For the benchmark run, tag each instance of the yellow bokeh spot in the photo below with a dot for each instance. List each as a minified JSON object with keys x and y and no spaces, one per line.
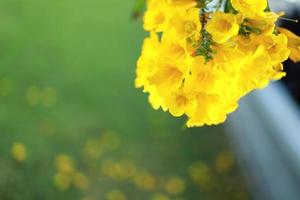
{"x":33,"y":95}
{"x":36,"y":96}
{"x":5,"y":86}
{"x":80,"y":181}
{"x":145,"y":181}
{"x":62,"y":181}
{"x":200,"y":173}
{"x":118,"y":170}
{"x":224,"y":162}
{"x":110,"y":140}
{"x":93,"y":148}
{"x":64,"y":163}
{"x":160,"y":197}
{"x":19,"y":152}
{"x":115,"y":195}
{"x":175,"y":185}
{"x":49,"y":97}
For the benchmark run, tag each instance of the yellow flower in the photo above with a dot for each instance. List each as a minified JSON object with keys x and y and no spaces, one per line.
{"x":293,"y":44}
{"x":211,"y":110}
{"x":147,"y":61}
{"x":253,"y":72}
{"x":246,"y":44}
{"x":180,"y":103}
{"x":184,"y":3}
{"x":92,"y":149}
{"x":264,"y":24}
{"x":203,"y":77}
{"x":222,"y":26}
{"x":167,"y":78}
{"x":277,"y":48}
{"x":155,"y":99}
{"x":250,"y":8}
{"x":157,"y":15}
{"x":187,"y":72}
{"x":173,"y":49}
{"x":186,"y":23}
{"x":18,"y":152}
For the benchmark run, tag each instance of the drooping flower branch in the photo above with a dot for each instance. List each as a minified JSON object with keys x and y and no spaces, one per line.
{"x":203,"y":56}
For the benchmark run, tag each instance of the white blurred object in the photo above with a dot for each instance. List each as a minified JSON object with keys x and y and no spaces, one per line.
{"x":284,"y":5}
{"x":265,"y":132}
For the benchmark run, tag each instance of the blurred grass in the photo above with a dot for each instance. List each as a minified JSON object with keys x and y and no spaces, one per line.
{"x":67,"y":71}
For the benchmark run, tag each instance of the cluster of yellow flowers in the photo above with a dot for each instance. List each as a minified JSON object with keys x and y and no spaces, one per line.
{"x":200,"y":63}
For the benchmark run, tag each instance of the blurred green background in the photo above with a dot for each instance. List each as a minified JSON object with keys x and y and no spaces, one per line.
{"x":74,"y":127}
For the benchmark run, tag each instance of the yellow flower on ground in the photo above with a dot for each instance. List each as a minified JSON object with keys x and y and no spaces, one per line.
{"x":175,"y":185}
{"x":33,"y":95}
{"x":222,"y":26}
{"x":62,"y":181}
{"x":118,"y":170}
{"x":18,"y":151}
{"x":48,"y":96}
{"x":201,"y":174}
{"x":224,"y":162}
{"x":145,"y":181}
{"x":93,"y":149}
{"x":115,"y":195}
{"x":159,"y":197}
{"x":64,"y":163}
{"x":80,"y":180}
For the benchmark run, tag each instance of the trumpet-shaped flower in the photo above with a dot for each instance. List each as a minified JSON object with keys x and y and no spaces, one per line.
{"x":250,"y":8}
{"x":293,"y":44}
{"x":222,"y":27}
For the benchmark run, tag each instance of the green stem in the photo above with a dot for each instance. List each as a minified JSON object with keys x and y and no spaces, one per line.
{"x":229,"y":8}
{"x":268,"y":9}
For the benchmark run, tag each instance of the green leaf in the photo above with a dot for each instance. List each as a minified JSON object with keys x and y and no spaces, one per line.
{"x":229,"y":8}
